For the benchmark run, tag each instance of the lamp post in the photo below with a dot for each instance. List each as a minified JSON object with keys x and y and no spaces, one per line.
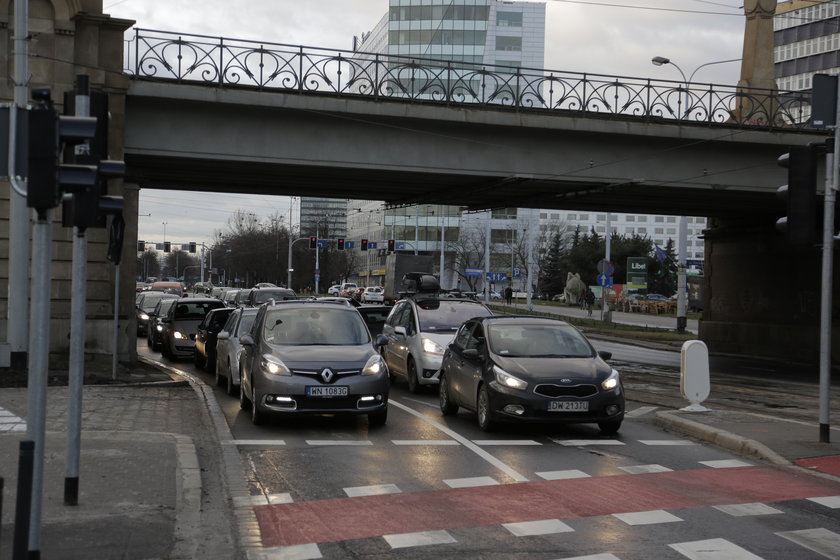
{"x":661,"y":61}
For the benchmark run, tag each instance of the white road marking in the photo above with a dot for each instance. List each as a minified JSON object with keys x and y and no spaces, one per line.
{"x":260,"y":442}
{"x":647,"y":517}
{"x":328,"y":442}
{"x":471,"y":482}
{"x":422,"y":538}
{"x":562,"y":475}
{"x":828,"y":501}
{"x":643,"y":469}
{"x":425,"y":442}
{"x":821,"y":541}
{"x":534,"y":528}
{"x":713,"y":549}
{"x":604,"y":556}
{"x":375,"y":490}
{"x":295,"y":552}
{"x":666,"y":442}
{"x":465,"y":442}
{"x":743,"y":510}
{"x":584,"y":442}
{"x":641,"y":411}
{"x":9,"y":422}
{"x":725,"y":464}
{"x":486,"y":442}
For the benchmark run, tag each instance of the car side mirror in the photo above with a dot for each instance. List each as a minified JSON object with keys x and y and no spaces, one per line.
{"x":380,"y":340}
{"x":246,"y":340}
{"x":605,"y":355}
{"x":471,"y":353}
{"x":223,"y":335}
{"x":400,"y":330}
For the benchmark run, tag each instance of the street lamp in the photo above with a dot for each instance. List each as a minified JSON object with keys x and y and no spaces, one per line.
{"x":661,"y":61}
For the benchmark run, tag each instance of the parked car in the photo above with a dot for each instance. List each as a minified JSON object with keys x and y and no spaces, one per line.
{"x":181,"y":324}
{"x":529,"y":369}
{"x":347,"y":289}
{"x":561,"y":297}
{"x":259,"y":296}
{"x":418,"y":330}
{"x":228,"y":348}
{"x":155,"y":330}
{"x":372,"y":294}
{"x":310,"y":356}
{"x":334,"y":290}
{"x":654,"y":297}
{"x":202,"y":288}
{"x":265,"y":285}
{"x":145,"y":305}
{"x":204,"y":354}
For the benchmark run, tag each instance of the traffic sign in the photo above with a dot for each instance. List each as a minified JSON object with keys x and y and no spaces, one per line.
{"x":605,"y":280}
{"x":473,"y":272}
{"x":517,"y":272}
{"x":606,"y":267}
{"x":372,"y":244}
{"x":496,"y":276}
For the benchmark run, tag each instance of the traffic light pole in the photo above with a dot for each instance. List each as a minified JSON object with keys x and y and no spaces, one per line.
{"x":832,"y":183}
{"x":78,"y":303}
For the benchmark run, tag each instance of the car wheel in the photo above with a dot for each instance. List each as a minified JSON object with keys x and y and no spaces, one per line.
{"x":447,"y":407}
{"x":164,"y":348}
{"x":244,"y":403}
{"x":210,"y":362}
{"x":257,"y":416}
{"x":197,"y":359}
{"x":411,"y":373}
{"x":378,"y":418}
{"x":609,"y":427}
{"x":231,"y":388}
{"x":220,"y":379}
{"x":483,"y":412}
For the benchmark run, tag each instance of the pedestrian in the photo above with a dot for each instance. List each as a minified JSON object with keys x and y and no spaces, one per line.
{"x":590,"y":301}
{"x":509,"y":295}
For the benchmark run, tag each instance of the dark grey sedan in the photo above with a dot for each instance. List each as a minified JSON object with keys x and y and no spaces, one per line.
{"x":529,"y":369}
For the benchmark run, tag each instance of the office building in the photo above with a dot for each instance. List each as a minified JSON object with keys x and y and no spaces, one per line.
{"x":807,"y":41}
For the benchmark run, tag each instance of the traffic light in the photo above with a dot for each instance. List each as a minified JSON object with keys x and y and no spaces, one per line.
{"x":800,"y":195}
{"x":192,"y":247}
{"x":391,"y":245}
{"x":313,"y":242}
{"x":167,"y":246}
{"x":141,"y":246}
{"x":364,"y":244}
{"x":341,"y":244}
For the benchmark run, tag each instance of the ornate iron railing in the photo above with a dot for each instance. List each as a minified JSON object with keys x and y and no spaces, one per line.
{"x":232,"y":62}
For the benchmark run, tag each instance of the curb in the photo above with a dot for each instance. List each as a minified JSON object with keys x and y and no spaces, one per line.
{"x":721,"y":438}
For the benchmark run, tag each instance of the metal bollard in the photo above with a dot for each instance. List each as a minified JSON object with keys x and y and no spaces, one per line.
{"x":26,"y":463}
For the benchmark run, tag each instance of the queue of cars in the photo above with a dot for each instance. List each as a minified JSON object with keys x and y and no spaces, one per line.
{"x":287,"y":355}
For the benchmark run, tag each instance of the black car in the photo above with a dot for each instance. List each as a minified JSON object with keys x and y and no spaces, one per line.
{"x":259,"y":296}
{"x":529,"y":369}
{"x":155,"y":330}
{"x":205,"y":338}
{"x":145,"y":306}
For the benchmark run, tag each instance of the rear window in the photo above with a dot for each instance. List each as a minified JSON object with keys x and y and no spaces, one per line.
{"x":441,"y":315}
{"x":195,"y":310}
{"x":262,"y":295}
{"x":314,"y":326}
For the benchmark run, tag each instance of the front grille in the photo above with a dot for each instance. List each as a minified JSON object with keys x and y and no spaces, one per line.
{"x":316,"y":374}
{"x":554,"y":391}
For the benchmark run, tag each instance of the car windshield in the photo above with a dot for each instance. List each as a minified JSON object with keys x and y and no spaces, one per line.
{"x":441,"y":316}
{"x":520,"y":340}
{"x":264,"y":295}
{"x":151,"y":299}
{"x":311,"y":326}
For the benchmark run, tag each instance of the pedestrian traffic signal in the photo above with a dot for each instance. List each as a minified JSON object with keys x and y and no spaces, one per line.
{"x":166,"y":246}
{"x":800,"y":195}
{"x":313,"y":242}
{"x":192,"y":247}
{"x":341,"y":244}
{"x":391,"y":245}
{"x":364,"y":245}
{"x":141,"y":246}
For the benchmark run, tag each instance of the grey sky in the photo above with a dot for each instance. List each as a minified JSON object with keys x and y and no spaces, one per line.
{"x":617,"y":37}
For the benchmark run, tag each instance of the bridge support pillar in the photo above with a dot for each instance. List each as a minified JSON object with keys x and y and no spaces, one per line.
{"x":762,"y":296}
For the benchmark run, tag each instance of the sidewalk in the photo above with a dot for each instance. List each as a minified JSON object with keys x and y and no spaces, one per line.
{"x":155,"y":481}
{"x":146,"y":488}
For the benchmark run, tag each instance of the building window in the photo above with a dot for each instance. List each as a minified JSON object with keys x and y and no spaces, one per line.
{"x":504,"y":213}
{"x":584,"y":217}
{"x":641,"y":230}
{"x":630,"y":218}
{"x":672,"y":219}
{"x":509,"y":19}
{"x":659,"y":219}
{"x":659,"y":231}
{"x":508,"y":43}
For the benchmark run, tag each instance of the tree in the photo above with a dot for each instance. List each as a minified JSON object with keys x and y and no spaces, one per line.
{"x":469,"y":253}
{"x":551,"y":278}
{"x":662,"y":278}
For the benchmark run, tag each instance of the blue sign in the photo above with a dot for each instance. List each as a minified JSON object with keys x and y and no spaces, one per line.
{"x":323,"y":243}
{"x":496,"y":276}
{"x":349,"y":244}
{"x":517,"y":272}
{"x":473,"y":272}
{"x":400,"y":246}
{"x":605,"y":280}
{"x":371,"y":244}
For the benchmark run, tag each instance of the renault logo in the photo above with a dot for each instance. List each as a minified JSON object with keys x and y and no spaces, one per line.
{"x":327,"y":375}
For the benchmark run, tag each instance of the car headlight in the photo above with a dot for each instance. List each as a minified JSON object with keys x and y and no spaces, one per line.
{"x":610,"y":382}
{"x":144,"y":317}
{"x":507,"y":380}
{"x":432,"y":347}
{"x":374,"y":366}
{"x":159,"y":328}
{"x":273,"y":366}
{"x":179,"y":335}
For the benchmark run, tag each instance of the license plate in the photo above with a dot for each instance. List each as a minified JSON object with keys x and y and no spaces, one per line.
{"x":327,"y":391}
{"x":568,"y":406}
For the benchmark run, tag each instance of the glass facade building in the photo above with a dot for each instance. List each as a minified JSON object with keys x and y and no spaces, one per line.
{"x":806,"y":36}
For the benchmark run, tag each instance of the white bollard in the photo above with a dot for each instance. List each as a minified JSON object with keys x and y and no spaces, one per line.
{"x":694,"y":374}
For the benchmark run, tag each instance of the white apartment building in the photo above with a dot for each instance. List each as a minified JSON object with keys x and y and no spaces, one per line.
{"x":807,"y":41}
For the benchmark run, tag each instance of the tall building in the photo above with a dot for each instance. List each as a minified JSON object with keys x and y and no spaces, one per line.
{"x":807,"y":41}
